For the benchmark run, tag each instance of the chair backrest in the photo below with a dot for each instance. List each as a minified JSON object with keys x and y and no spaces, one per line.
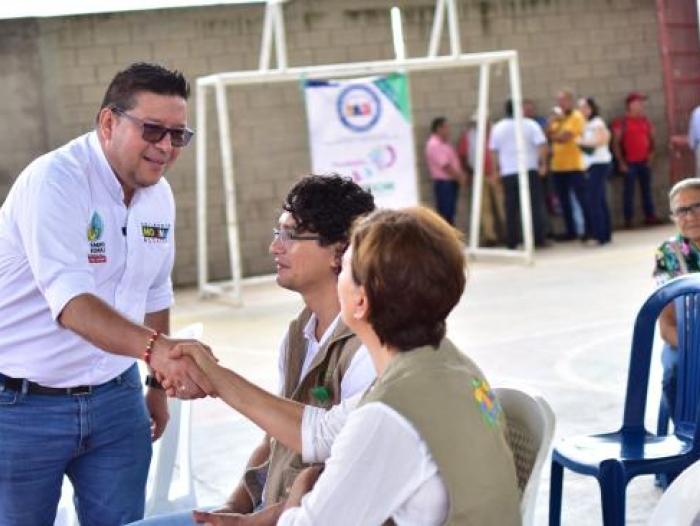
{"x":642,"y":343}
{"x":530,"y":422}
{"x":170,"y":493}
{"x":680,"y":503}
{"x":688,"y":371}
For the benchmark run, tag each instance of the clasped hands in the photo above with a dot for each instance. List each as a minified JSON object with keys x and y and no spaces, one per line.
{"x":175,"y":364}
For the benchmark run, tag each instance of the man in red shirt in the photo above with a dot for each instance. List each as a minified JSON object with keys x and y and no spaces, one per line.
{"x":633,"y":147}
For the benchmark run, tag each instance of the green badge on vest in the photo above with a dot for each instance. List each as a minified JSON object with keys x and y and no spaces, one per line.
{"x":321,"y":393}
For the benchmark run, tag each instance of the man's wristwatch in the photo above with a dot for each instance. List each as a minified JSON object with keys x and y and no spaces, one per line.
{"x":151,"y":381}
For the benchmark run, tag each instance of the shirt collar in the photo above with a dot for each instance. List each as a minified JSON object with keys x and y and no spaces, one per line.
{"x":310,"y":330}
{"x":104,"y":170}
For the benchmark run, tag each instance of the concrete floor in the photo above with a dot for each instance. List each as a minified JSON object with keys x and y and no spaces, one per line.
{"x":561,"y":327}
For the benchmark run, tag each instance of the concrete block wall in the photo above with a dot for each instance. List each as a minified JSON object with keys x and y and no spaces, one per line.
{"x":57,"y":70}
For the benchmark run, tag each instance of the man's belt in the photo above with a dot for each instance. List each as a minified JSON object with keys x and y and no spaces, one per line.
{"x":16,"y":384}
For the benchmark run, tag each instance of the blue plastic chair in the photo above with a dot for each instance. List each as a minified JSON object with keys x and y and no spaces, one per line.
{"x":615,"y":458}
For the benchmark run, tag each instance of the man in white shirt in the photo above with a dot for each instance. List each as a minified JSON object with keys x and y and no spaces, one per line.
{"x":503,"y":150}
{"x":321,"y":362}
{"x":86,"y":252}
{"x":694,"y":137}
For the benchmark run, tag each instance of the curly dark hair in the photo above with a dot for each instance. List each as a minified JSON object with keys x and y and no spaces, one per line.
{"x":327,"y":205}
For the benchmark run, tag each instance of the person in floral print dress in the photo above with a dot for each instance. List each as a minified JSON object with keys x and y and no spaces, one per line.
{"x":677,"y":256}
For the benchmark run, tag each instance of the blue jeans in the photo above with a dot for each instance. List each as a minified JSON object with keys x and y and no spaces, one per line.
{"x":598,"y":211}
{"x":101,"y":441}
{"x":446,"y":193}
{"x":564,"y":183}
{"x":641,"y":172}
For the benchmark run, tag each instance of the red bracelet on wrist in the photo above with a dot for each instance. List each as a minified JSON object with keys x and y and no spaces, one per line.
{"x":149,"y":346}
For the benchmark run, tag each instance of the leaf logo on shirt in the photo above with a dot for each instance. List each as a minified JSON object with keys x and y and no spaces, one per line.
{"x":95,"y":228}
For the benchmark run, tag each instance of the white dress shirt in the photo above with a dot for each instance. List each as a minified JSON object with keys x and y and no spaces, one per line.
{"x":357,"y":378}
{"x":377,"y":466}
{"x":694,"y":129}
{"x":502,"y":141}
{"x":601,"y":154}
{"x":65,"y":231}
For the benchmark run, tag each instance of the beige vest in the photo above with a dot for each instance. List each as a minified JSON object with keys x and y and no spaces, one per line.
{"x":320,"y":387}
{"x":446,"y":398}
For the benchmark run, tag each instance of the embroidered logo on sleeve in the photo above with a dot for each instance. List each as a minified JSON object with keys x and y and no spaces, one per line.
{"x":155,"y":232}
{"x":94,"y":235}
{"x":485,"y":399}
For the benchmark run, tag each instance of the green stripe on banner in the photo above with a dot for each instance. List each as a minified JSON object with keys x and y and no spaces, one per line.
{"x":395,"y":88}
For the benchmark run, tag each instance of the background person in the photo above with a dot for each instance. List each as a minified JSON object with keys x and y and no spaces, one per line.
{"x":694,"y":137}
{"x":401,"y":453}
{"x":633,"y":147}
{"x":505,"y":159}
{"x":492,"y":212}
{"x":675,"y":257}
{"x":78,"y":306}
{"x":444,"y":169}
{"x":564,"y":131}
{"x":598,"y":162}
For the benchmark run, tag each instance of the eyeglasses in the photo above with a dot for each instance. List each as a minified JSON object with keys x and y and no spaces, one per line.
{"x":154,"y":133}
{"x":684,"y":211}
{"x":286,"y":235}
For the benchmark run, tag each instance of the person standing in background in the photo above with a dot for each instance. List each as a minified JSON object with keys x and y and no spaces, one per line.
{"x":444,"y":168}
{"x":597,"y":159}
{"x":633,"y":147}
{"x":694,"y":137}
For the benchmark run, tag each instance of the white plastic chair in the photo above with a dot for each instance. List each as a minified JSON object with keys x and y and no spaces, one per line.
{"x":163,"y":493}
{"x":680,"y":503}
{"x":530,"y":422}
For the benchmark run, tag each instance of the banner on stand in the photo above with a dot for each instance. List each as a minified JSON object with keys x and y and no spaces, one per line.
{"x":362,"y":128}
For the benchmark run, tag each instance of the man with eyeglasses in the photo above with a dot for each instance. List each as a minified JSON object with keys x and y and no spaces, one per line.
{"x":321,"y":362}
{"x":86,"y":253}
{"x":675,"y":257}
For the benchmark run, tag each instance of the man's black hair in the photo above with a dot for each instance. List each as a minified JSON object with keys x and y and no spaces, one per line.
{"x":327,"y":205}
{"x":438,"y":122}
{"x":143,"y":77}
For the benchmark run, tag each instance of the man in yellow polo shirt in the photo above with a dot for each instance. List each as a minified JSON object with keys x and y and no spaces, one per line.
{"x":564,"y":129}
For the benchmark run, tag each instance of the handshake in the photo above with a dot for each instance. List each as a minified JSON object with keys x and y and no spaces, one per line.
{"x":183,"y":367}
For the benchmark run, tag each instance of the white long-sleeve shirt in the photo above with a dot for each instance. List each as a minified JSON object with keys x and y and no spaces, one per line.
{"x":377,"y":466}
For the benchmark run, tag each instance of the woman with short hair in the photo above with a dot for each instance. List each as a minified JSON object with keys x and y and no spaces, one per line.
{"x":426,"y":444}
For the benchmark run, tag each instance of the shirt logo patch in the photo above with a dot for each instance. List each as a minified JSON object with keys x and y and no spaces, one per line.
{"x":155,"y":233}
{"x":486,"y":401}
{"x":94,"y":233}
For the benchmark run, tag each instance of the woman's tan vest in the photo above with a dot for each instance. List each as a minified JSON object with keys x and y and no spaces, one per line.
{"x":320,"y":387}
{"x":447,"y":399}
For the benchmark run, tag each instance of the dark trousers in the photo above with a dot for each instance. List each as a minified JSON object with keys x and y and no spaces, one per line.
{"x":598,"y":212}
{"x":511,"y":189}
{"x":641,"y":172}
{"x":563,"y":183}
{"x":446,"y":193}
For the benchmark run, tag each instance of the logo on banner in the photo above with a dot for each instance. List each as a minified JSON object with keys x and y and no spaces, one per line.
{"x":359,"y":108}
{"x":94,"y":233}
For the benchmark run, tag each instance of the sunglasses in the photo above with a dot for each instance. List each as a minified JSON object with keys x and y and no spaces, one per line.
{"x":154,"y":133}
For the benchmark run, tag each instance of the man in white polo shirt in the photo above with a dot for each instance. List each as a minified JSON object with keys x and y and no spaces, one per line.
{"x":86,"y":252}
{"x":503,"y":147}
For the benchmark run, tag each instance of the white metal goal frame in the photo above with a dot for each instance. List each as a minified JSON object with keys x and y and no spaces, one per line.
{"x":273,"y":29}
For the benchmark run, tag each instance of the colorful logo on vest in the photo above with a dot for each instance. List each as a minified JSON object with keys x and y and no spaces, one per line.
{"x":94,"y":233}
{"x":359,"y":108}
{"x":486,"y":401}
